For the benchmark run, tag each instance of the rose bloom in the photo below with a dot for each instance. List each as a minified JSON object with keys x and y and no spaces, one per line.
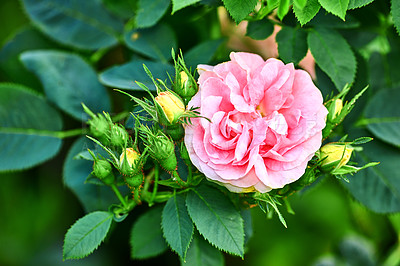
{"x":266,"y":121}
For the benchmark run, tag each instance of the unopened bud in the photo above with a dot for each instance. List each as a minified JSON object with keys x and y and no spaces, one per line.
{"x":336,"y":155}
{"x":163,"y":150}
{"x":129,"y":165}
{"x":99,"y":125}
{"x":118,"y":136}
{"x":103,"y":170}
{"x":169,"y":107}
{"x":335,"y":108}
{"x":185,"y":85}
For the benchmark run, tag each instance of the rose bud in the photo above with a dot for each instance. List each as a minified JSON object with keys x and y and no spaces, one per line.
{"x":185,"y":85}
{"x":169,"y":107}
{"x":336,"y":155}
{"x":335,"y":108}
{"x":163,"y":150}
{"x":118,"y":136}
{"x":103,"y":170}
{"x":99,"y":125}
{"x":130,"y":165}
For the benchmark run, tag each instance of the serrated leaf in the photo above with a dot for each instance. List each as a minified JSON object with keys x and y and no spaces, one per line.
{"x":300,"y":3}
{"x":378,"y":187}
{"x":202,"y":253}
{"x":75,"y":172}
{"x":150,"y":11}
{"x":395,"y":11}
{"x":147,"y":42}
{"x":333,"y":55}
{"x":25,"y":117}
{"x":239,"y":9}
{"x":68,"y":81}
{"x":216,"y":219}
{"x":353,"y":4}
{"x":382,"y":115}
{"x":305,"y":14}
{"x":326,"y":20}
{"x":336,"y":7}
{"x":292,"y":44}
{"x":177,"y":225}
{"x":146,"y":237}
{"x":86,"y":235}
{"x":260,"y":29}
{"x":82,"y":24}
{"x":283,"y":8}
{"x":179,"y":4}
{"x":125,"y":76}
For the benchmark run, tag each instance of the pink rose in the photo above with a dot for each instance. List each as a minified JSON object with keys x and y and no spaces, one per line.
{"x":266,"y":122}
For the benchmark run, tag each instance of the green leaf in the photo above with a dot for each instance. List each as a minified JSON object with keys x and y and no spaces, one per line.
{"x":382,"y":115}
{"x":68,"y":81}
{"x":260,"y":29}
{"x":147,"y":42}
{"x":122,"y":9}
{"x":395,"y":11}
{"x":86,"y":235}
{"x":11,"y":68}
{"x":25,"y":120}
{"x":300,"y":3}
{"x":305,"y":14}
{"x":353,"y":4}
{"x":201,"y":253}
{"x":248,"y":226}
{"x":75,"y":172}
{"x":177,"y":225}
{"x":124,"y":76}
{"x":239,"y":9}
{"x":334,"y":55}
{"x":336,"y":7}
{"x":146,"y":236}
{"x":292,"y":44}
{"x":283,"y":8}
{"x":378,"y":187}
{"x":202,"y":53}
{"x":150,"y":11}
{"x":81,"y":24}
{"x":216,"y":219}
{"x":326,"y":20}
{"x":179,"y":4}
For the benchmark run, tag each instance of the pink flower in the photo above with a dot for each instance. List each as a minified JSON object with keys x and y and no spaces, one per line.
{"x":266,"y":122}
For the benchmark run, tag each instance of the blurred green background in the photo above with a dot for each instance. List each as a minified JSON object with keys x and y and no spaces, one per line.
{"x":329,"y":228}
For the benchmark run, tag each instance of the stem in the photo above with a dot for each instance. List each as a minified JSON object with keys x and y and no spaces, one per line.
{"x":47,"y":133}
{"x":156,"y":176}
{"x":118,"y":194}
{"x":96,"y":56}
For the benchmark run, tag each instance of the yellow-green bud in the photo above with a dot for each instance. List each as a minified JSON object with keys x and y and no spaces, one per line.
{"x":118,"y":136}
{"x":169,"y":107}
{"x":335,"y":108}
{"x":103,"y":170}
{"x":185,"y":85}
{"x":130,"y":165}
{"x":336,"y":155}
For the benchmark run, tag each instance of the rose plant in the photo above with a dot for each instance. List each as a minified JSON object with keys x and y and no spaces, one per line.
{"x":189,"y":141}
